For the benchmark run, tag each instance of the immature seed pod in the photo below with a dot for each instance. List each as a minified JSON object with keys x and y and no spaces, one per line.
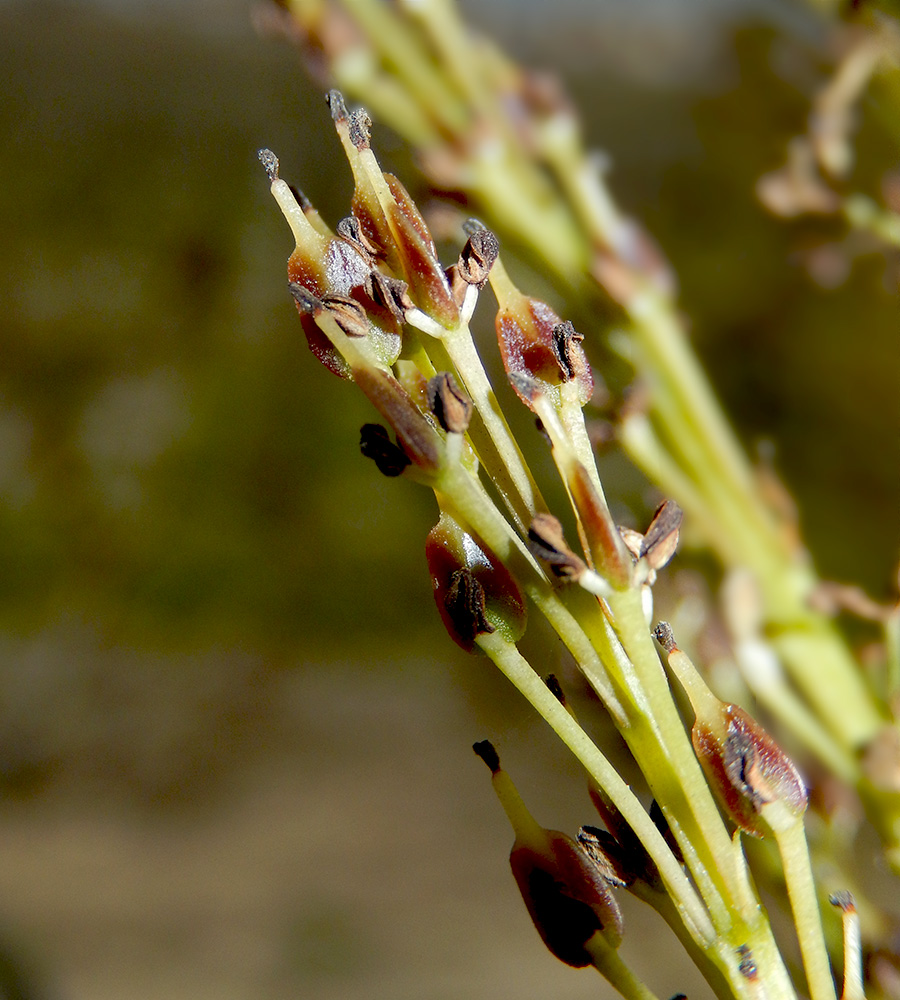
{"x":568,"y":896}
{"x":537,"y":344}
{"x":473,"y":590}
{"x":745,"y":766}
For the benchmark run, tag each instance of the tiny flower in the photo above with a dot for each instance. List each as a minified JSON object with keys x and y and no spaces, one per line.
{"x":389,"y":223}
{"x":661,"y":540}
{"x":657,"y":547}
{"x":568,"y":895}
{"x":537,"y":344}
{"x":473,"y":590}
{"x":470,"y":273}
{"x":745,"y":766}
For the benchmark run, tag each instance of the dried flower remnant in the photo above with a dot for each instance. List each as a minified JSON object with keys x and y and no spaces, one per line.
{"x":471,"y":272}
{"x":762,"y":792}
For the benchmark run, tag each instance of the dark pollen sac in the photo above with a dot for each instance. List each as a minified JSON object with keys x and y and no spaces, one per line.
{"x":375,"y":443}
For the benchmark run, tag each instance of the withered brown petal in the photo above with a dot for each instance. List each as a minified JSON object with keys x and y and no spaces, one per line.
{"x":450,"y":405}
{"x":547,"y":542}
{"x":661,"y":539}
{"x":304,"y":298}
{"x":606,"y":853}
{"x":349,"y":229}
{"x":633,"y":540}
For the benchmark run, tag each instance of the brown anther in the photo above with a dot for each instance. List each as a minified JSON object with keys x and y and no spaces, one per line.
{"x":665,"y":636}
{"x":604,"y":850}
{"x":569,"y":355}
{"x":547,"y":542}
{"x":450,"y":405}
{"x":350,"y":230}
{"x":349,"y":315}
{"x":270,"y":163}
{"x":477,"y":257}
{"x":661,"y":539}
{"x":465,"y":604}
{"x":336,"y":105}
{"x":747,"y":964}
{"x":392,"y":293}
{"x":375,"y":443}
{"x":360,"y":129}
{"x":306,"y":301}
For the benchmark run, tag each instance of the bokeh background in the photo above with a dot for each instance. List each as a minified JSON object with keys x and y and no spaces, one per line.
{"x":234,"y":743}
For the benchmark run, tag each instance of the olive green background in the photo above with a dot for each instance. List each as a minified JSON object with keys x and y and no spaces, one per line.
{"x":234,"y":743}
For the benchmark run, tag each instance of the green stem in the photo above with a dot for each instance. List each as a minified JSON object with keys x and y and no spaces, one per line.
{"x":514,"y":666}
{"x":697,"y":810}
{"x":791,"y":839}
{"x":610,"y":965}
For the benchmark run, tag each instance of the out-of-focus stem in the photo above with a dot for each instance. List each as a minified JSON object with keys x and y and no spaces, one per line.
{"x":610,"y":965}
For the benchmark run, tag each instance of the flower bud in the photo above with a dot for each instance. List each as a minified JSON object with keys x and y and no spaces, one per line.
{"x":568,"y":895}
{"x":473,"y":590}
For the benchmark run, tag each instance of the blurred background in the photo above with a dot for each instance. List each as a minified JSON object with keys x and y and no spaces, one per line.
{"x":234,"y":742}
